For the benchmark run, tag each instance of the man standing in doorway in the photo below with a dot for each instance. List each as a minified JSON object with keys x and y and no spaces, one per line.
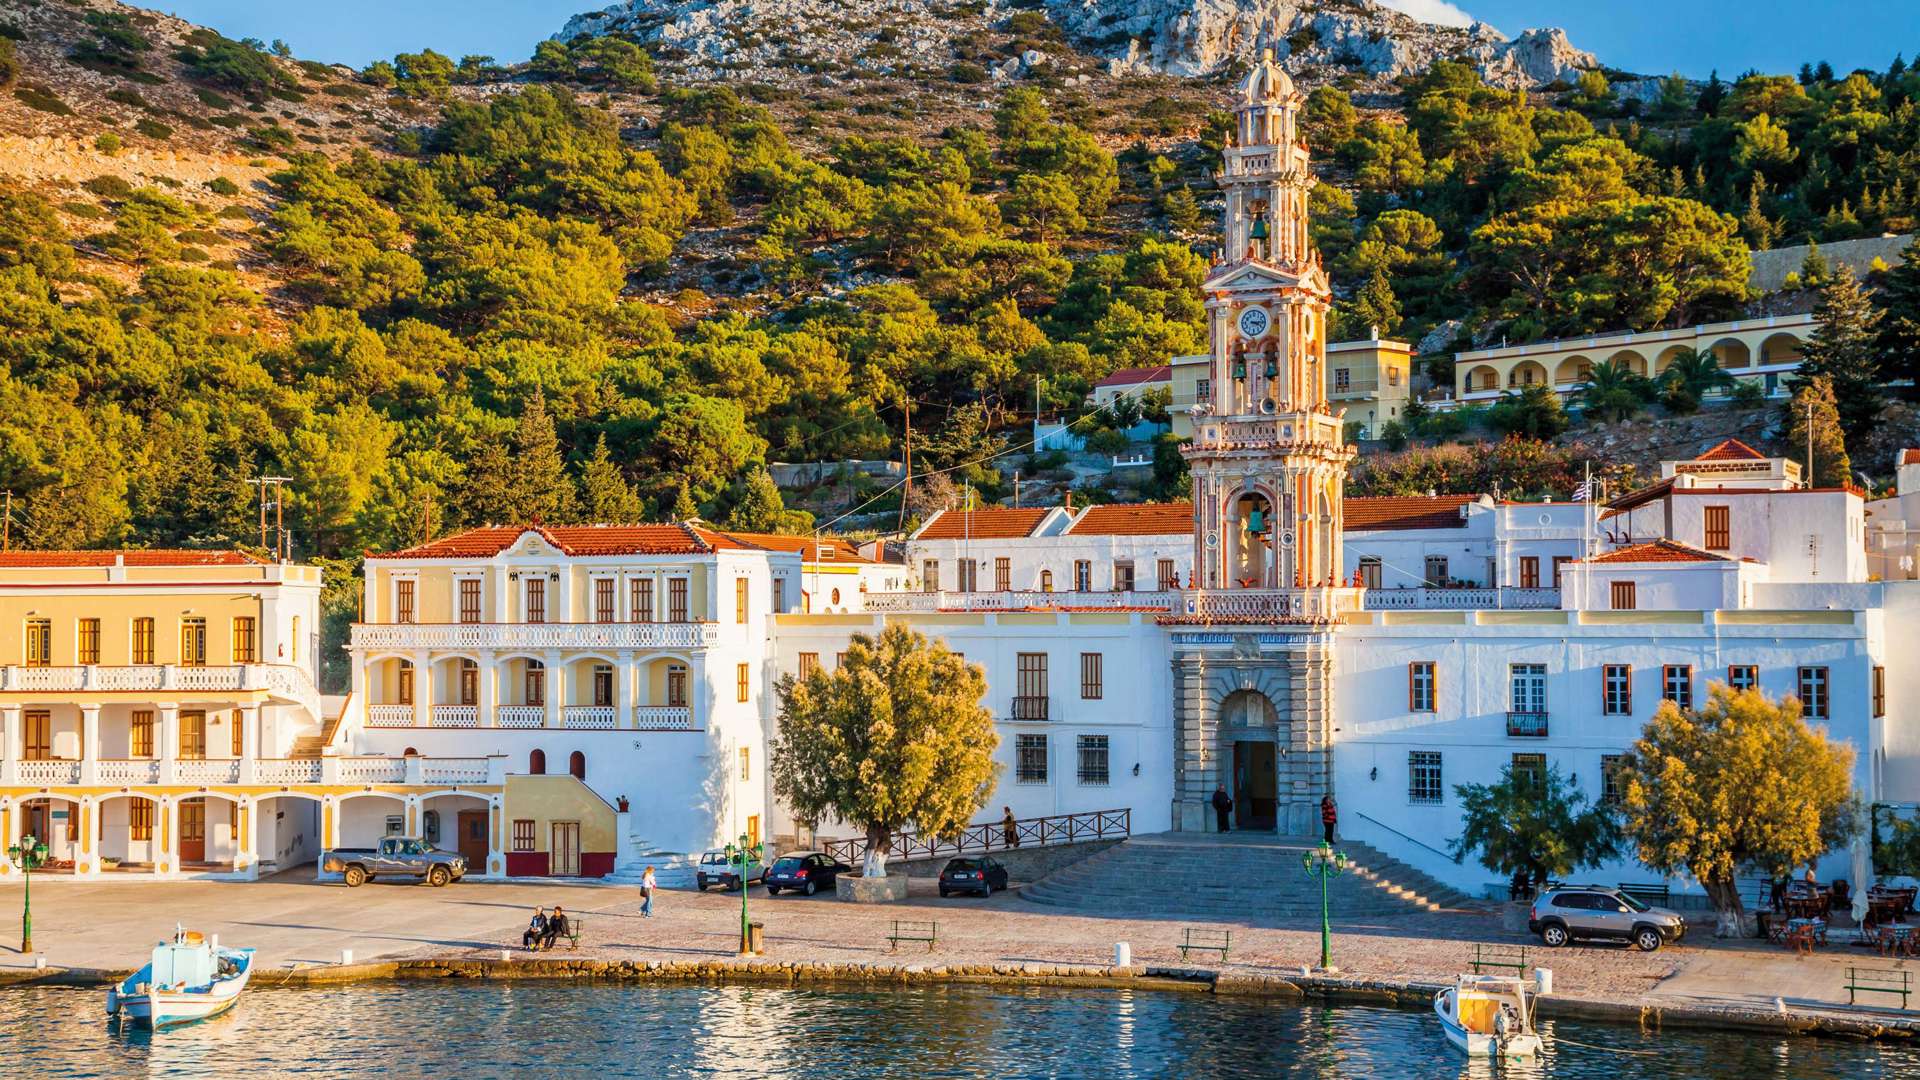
{"x":1328,"y":815}
{"x":1222,"y":806}
{"x":647,"y":886}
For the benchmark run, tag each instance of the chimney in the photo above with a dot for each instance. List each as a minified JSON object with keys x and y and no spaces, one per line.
{"x":1069,"y":500}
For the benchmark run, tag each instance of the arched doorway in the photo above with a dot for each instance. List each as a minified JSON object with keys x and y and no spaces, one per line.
{"x":537,"y":763}
{"x":1249,"y":724}
{"x":1251,"y":562}
{"x":577,"y":765}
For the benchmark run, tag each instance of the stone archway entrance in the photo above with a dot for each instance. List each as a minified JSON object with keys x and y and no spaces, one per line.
{"x":1248,"y":736}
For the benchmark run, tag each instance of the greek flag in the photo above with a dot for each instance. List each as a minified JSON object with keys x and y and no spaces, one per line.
{"x":1584,"y":492}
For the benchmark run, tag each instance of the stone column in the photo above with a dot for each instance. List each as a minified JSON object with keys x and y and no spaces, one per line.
{"x":89,"y":744}
{"x":248,"y":717}
{"x":169,"y":740}
{"x":12,"y":747}
{"x":165,"y":836}
{"x":623,"y":689}
{"x":488,"y":696}
{"x":422,"y":688}
{"x":556,"y":687}
{"x":246,"y":856}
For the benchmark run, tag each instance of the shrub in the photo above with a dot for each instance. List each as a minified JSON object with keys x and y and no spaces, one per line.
{"x":194,"y":255}
{"x":220,"y":185}
{"x":1747,"y":393}
{"x":210,"y":99}
{"x":230,"y":64}
{"x":964,"y":72}
{"x":233,"y":211}
{"x":153,"y":129}
{"x":107,"y":143}
{"x":39,"y":97}
{"x":109,"y":187}
{"x":9,"y":62}
{"x":271,"y":137}
{"x":127,"y":97}
{"x":86,"y":211}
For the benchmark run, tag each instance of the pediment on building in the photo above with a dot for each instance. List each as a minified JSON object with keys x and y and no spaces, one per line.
{"x":1250,"y":277}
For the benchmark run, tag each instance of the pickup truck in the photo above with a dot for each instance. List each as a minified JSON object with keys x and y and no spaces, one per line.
{"x":397,"y":856}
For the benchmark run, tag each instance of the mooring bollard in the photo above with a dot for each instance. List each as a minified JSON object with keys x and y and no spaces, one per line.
{"x":39,"y":963}
{"x":506,"y":955}
{"x":1122,"y":954}
{"x":216,"y":942}
{"x":1543,"y":980}
{"x":346,"y":957}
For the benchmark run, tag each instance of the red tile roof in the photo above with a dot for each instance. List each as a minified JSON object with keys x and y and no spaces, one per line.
{"x":1135,"y":519}
{"x":1910,"y":457}
{"x":1134,"y":376}
{"x":1659,"y":551}
{"x":1645,"y":495}
{"x":1732,"y":450}
{"x":839,"y":549}
{"x":1405,"y":512}
{"x":986,"y":523}
{"x":491,"y":540}
{"x":128,"y":557}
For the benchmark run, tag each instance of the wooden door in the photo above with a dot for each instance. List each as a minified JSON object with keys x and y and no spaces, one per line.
{"x":473,"y":839}
{"x":39,"y":820}
{"x":193,"y":830}
{"x":564,"y":854}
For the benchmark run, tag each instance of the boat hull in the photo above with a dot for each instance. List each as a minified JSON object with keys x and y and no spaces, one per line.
{"x":1480,"y":1044}
{"x":137,"y":1003}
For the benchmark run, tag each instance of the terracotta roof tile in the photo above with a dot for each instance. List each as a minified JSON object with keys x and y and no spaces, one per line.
{"x":491,"y":540}
{"x":1135,"y":376}
{"x":128,"y":557}
{"x":1732,"y":450}
{"x":1135,"y":519}
{"x":839,"y":549}
{"x":1405,"y":512}
{"x":1910,"y":457}
{"x":1659,"y":551}
{"x":987,"y":523}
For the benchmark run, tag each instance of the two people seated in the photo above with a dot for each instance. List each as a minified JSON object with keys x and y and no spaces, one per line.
{"x":543,"y":929}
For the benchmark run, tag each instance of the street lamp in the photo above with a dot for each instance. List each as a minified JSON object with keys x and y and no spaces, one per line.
{"x":744,"y":854}
{"x":1323,"y":862}
{"x":31,"y":854}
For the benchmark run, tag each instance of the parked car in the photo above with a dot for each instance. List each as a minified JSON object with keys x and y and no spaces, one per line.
{"x":1562,"y":913}
{"x":716,"y":869}
{"x":805,"y":871}
{"x":396,"y":856}
{"x":973,"y":874}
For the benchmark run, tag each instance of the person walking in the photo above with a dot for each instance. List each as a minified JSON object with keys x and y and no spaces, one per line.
{"x":1009,"y":829}
{"x":1222,"y":806}
{"x":1328,"y":815}
{"x":647,"y":885}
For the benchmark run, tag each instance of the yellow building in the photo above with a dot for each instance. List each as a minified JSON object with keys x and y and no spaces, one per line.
{"x":1763,"y":351}
{"x":1369,"y":379}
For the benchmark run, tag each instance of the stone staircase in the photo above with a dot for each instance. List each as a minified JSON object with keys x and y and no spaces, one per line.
{"x":671,"y":869}
{"x":1253,"y":876}
{"x":310,"y":746}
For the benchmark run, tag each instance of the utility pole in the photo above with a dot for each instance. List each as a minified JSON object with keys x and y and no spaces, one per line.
{"x":6,"y":523}
{"x":427,"y":525}
{"x":1807,"y":480}
{"x":279,"y":534}
{"x":906,"y":443}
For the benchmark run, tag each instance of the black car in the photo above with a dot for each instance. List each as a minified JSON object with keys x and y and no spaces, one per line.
{"x":975,"y":874}
{"x":805,"y":871}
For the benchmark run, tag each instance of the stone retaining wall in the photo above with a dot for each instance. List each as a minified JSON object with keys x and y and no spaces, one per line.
{"x":1023,"y":864}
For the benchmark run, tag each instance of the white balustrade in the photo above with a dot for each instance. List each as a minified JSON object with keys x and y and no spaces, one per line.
{"x":456,"y":716}
{"x":1017,"y":600}
{"x":372,"y":770}
{"x":40,"y":678}
{"x":686,"y":635}
{"x":283,"y":679}
{"x":48,"y":772}
{"x":389,"y":716}
{"x":453,"y":770}
{"x":588,"y":716}
{"x":206,"y":678}
{"x":520,"y":716}
{"x":198,"y":771}
{"x":127,"y":771}
{"x":663,"y":718}
{"x":287,"y":770}
{"x":1318,"y":603}
{"x":1466,"y":599}
{"x":141,"y":677}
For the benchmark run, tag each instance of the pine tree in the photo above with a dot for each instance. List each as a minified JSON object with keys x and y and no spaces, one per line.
{"x":607,"y":495}
{"x":1830,"y":465}
{"x":759,"y":507}
{"x":1713,"y":95}
{"x":684,"y":508}
{"x":543,"y":489}
{"x":1814,"y":269}
{"x":1374,"y":307}
{"x":1759,"y":230}
{"x":1182,"y":210}
{"x":1899,"y":303}
{"x":1844,"y":349}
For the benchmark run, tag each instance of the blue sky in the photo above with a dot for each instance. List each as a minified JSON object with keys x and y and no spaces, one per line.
{"x":1655,"y":36}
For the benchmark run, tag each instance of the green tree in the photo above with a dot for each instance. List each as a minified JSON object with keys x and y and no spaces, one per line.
{"x":1613,"y":391}
{"x":1690,"y":376}
{"x":1740,"y":784}
{"x":1373,"y":310}
{"x":1898,"y":299}
{"x":1537,"y":821}
{"x":894,"y":736}
{"x":1043,"y":207}
{"x":758,"y":507}
{"x":1814,"y":410}
{"x":1182,"y":210}
{"x":1845,"y":349}
{"x":1330,"y":117}
{"x":1533,"y":412}
{"x":542,"y":490}
{"x":605,"y":494}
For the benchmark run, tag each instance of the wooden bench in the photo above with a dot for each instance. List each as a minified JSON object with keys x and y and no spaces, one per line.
{"x":1880,"y":981}
{"x":1648,"y":892}
{"x":903,"y":930}
{"x":575,"y":927}
{"x":1504,"y":957}
{"x":1206,"y":940}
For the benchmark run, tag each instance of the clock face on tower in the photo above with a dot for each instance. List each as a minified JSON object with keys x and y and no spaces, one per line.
{"x":1254,"y":322}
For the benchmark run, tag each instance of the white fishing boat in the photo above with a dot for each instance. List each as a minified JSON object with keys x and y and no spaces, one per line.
{"x":188,"y":979}
{"x":1488,"y":1016}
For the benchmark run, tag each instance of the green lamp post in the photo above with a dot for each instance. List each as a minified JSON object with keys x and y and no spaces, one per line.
{"x":30,"y":854}
{"x":744,"y":854}
{"x":1323,"y":862}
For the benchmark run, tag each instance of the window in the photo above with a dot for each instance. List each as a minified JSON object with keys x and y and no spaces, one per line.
{"x":677,"y":686}
{"x":640,"y":600}
{"x":677,"y":599}
{"x":1393,"y":375}
{"x":577,"y":765}
{"x":536,"y":599}
{"x":1090,"y":675}
{"x":840,"y":660}
{"x":1003,"y":574}
{"x":39,"y":735}
{"x":1813,"y":692}
{"x":1030,"y":697}
{"x":1420,"y":686}
{"x":740,"y":683}
{"x":139,"y":819}
{"x":1423,"y":778}
{"x":1529,"y":571}
{"x":603,"y":600}
{"x":1718,"y":538}
{"x":537,"y":762}
{"x":1046,"y":581}
{"x":1622,"y":596}
{"x":39,"y":642}
{"x":746,"y":763}
{"x":1093,"y":759}
{"x":969,"y":575}
{"x":740,"y":600}
{"x":1436,"y":570}
{"x":1610,"y":778}
{"x":1559,"y":565}
{"x":193,"y":734}
{"x":1203,"y":390}
{"x":1616,"y":690}
{"x":1676,"y":684}
{"x":930,"y":575}
{"x":809,"y":663}
{"x":89,"y":652}
{"x":469,"y":683}
{"x":238,"y":744}
{"x":603,"y":685}
{"x":1370,"y":572}
{"x":406,"y":683}
{"x":1123,"y":576}
{"x":1342,"y":379}
{"x":246,"y":640}
{"x":403,"y":600}
{"x":523,"y":834}
{"x":1030,"y":759}
{"x":1168,"y":575}
{"x":536,"y":683}
{"x":469,"y":600}
{"x":143,"y":641}
{"x":1531,"y":768}
{"x":1743,"y":676}
{"x":140,"y":734}
{"x":193,"y":642}
{"x":1082,"y":575}
{"x":1879,"y":690}
{"x":1528,"y":686}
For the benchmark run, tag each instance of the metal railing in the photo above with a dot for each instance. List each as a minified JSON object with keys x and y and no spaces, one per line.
{"x":1530,"y":725}
{"x":992,"y":836}
{"x":1418,"y":843}
{"x":1030,"y":707}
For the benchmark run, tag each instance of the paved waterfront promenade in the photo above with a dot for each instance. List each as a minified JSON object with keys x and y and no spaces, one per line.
{"x":294,"y":921}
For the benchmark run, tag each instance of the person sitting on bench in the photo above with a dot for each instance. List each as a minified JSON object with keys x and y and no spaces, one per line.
{"x":556,"y":926}
{"x":536,"y":929}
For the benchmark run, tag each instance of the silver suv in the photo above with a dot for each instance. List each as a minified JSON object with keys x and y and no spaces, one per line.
{"x":1564,"y":912}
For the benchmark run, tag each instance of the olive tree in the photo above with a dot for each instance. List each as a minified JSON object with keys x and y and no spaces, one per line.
{"x":1534,"y":820}
{"x":894,"y":736}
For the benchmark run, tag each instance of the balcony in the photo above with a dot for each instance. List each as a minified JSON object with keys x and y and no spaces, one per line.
{"x":127,"y":771}
{"x":283,"y":680}
{"x":287,"y":771}
{"x":1030,"y":707}
{"x":1015,"y":600}
{"x":520,"y":716}
{"x":1318,"y":604}
{"x":457,"y":716}
{"x":47,"y":772}
{"x":1527,"y":725}
{"x":1469,"y":599}
{"x":663,"y":718}
{"x":389,"y":716}
{"x":589,"y":717}
{"x":431,"y":636}
{"x":371,"y":770}
{"x":204,"y":771}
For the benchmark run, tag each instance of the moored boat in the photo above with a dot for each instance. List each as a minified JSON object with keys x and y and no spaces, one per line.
{"x":189,"y":978}
{"x":1488,"y":1016}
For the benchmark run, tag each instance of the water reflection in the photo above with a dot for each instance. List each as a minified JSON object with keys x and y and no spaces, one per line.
{"x":606,"y":1031}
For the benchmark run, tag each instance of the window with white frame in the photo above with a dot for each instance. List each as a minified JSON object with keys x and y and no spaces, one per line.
{"x":1616,"y":690}
{"x":1030,"y":759}
{"x":1093,"y":759}
{"x":1527,"y":688}
{"x":1423,"y":778}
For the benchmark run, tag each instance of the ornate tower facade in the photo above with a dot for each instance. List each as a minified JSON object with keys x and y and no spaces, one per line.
{"x":1253,"y":640}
